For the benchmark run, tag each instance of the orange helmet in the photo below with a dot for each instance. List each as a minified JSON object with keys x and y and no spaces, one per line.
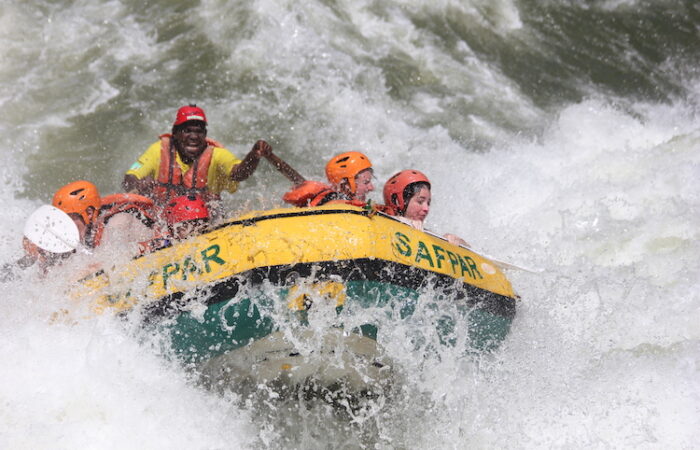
{"x":77,"y":197}
{"x":185,"y":208}
{"x":346,"y":166}
{"x":396,"y":185}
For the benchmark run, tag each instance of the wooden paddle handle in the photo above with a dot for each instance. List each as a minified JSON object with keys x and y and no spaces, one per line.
{"x":287,"y":170}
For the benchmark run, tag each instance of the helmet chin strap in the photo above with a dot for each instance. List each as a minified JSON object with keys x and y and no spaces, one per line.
{"x":345,"y":189}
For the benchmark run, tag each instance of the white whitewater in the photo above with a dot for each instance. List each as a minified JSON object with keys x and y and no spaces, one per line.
{"x":601,"y":189}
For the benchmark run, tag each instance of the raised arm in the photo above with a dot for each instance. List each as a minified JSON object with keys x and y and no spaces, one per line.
{"x":246,"y":168}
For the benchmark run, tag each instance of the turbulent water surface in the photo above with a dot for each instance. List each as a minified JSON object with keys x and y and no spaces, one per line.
{"x":558,"y":134}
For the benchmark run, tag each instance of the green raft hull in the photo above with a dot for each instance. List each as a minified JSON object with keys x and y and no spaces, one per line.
{"x":234,"y":322}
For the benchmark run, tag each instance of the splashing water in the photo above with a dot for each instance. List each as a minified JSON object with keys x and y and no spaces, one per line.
{"x":556,"y":135}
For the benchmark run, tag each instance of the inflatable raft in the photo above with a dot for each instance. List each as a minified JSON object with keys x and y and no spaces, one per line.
{"x":233,"y":286}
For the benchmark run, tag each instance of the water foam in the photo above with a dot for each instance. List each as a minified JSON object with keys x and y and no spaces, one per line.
{"x":604,"y":350}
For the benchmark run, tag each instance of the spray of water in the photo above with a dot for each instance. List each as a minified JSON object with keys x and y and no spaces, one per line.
{"x":557,"y":135}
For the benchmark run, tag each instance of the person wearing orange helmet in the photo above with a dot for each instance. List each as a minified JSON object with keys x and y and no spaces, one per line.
{"x":407,"y":195}
{"x":119,"y":218}
{"x":350,"y":175}
{"x":186,"y":161}
{"x":81,"y":200}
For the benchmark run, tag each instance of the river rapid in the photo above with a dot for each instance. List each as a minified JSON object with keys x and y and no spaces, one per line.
{"x":560,"y":135}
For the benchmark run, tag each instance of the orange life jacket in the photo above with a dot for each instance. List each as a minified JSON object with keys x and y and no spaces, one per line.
{"x":309,"y":193}
{"x":138,"y":205}
{"x":172,"y":182}
{"x":386,"y":209}
{"x":315,"y":193}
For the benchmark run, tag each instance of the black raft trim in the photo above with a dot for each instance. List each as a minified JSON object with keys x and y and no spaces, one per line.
{"x":354,"y":270}
{"x":301,"y":213}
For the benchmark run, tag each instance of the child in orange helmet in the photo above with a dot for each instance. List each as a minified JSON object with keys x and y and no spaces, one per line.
{"x":81,"y":201}
{"x":408,"y":194}
{"x":350,"y":175}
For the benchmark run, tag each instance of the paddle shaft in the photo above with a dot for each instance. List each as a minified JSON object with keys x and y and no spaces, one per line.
{"x":286,"y":170}
{"x":499,"y":263}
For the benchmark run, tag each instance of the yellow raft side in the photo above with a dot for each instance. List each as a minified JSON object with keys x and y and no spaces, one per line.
{"x":284,"y":237}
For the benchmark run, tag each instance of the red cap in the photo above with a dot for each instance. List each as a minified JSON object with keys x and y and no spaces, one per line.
{"x":189,"y":112}
{"x":185,"y":208}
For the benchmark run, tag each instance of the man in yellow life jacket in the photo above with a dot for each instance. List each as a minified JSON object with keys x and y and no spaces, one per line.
{"x":188,"y":162}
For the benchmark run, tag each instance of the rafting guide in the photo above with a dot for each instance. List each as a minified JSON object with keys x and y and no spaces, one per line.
{"x":186,"y":161}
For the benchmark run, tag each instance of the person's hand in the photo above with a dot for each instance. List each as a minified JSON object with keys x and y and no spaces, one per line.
{"x":31,"y":249}
{"x":146,"y":184}
{"x":262,"y":148}
{"x":246,"y":168}
{"x":456,"y":240}
{"x":134,"y":185}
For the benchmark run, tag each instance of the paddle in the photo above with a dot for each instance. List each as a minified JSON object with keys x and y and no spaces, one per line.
{"x":286,"y":170}
{"x":499,"y":263}
{"x":52,"y":230}
{"x":503,"y":264}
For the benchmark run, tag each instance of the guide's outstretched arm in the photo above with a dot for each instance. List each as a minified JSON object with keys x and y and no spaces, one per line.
{"x":246,"y":167}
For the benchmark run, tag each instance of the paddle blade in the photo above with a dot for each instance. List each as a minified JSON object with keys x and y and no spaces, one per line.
{"x":52,"y":230}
